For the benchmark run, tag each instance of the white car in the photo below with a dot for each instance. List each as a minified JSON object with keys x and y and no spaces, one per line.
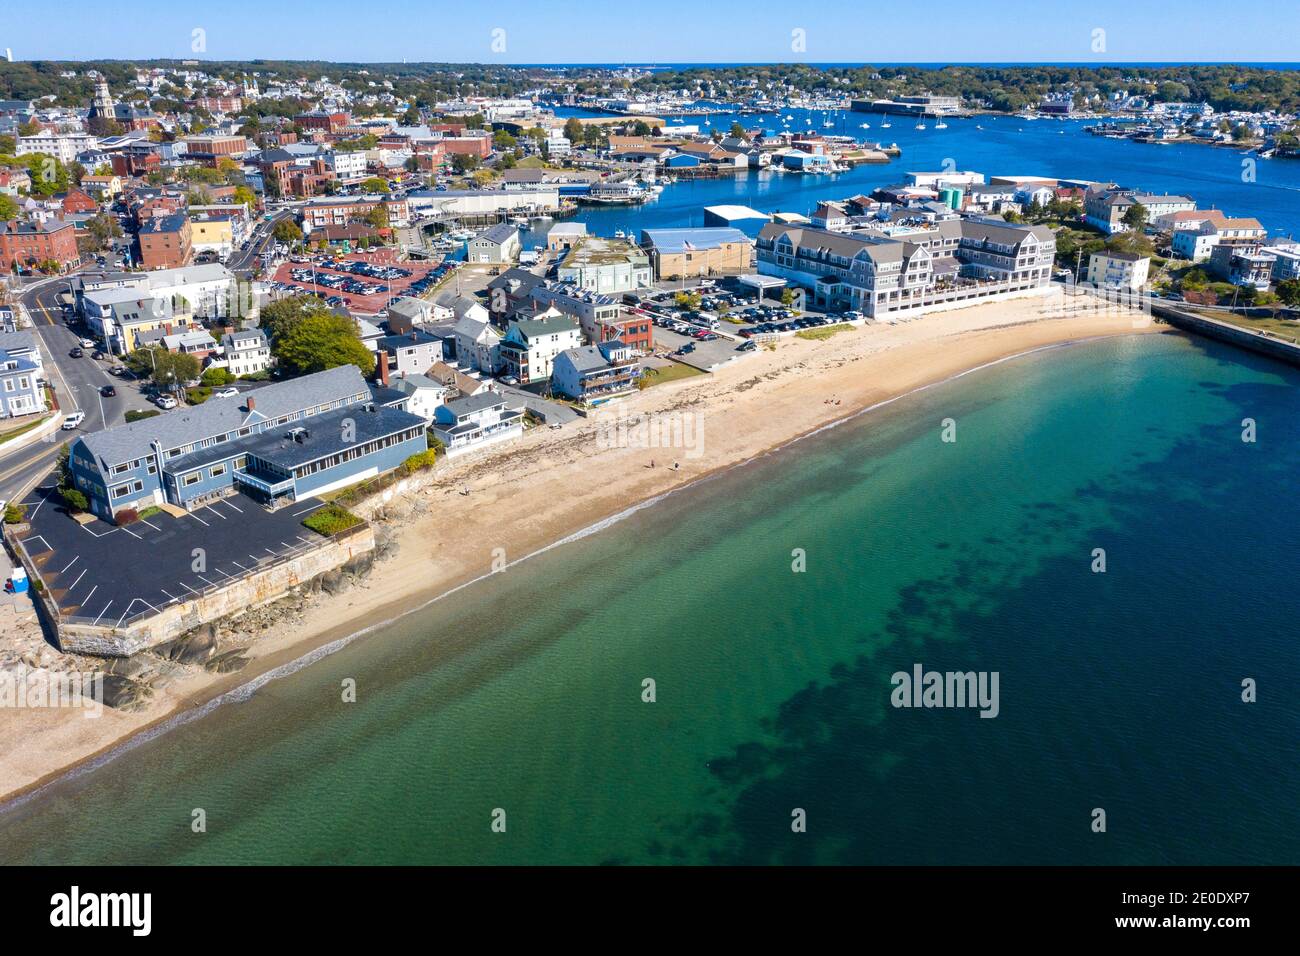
{"x":73,"y":420}
{"x":229,"y":392}
{"x":87,"y":343}
{"x":165,"y":402}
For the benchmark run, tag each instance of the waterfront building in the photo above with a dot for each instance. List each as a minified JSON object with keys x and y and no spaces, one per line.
{"x":596,"y":373}
{"x":1118,"y":270}
{"x":530,"y":346}
{"x":500,"y":243}
{"x":684,"y":253}
{"x":605,"y":265}
{"x":467,"y":424}
{"x":21,"y":369}
{"x":1105,"y":208}
{"x":279,"y":444}
{"x":911,"y":270}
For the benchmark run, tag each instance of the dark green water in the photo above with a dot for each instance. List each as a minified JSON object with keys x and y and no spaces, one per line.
{"x":1118,"y":690}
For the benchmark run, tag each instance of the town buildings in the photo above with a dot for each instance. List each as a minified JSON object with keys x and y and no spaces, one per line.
{"x":21,"y":370}
{"x":468,"y":424}
{"x":500,"y":243}
{"x":166,"y":242}
{"x":246,"y":352}
{"x":31,"y":244}
{"x":1118,"y":270}
{"x":531,"y":345}
{"x":595,"y":373}
{"x":605,"y":265}
{"x":689,"y":253}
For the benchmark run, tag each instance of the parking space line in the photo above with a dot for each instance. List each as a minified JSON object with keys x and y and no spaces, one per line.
{"x":78,"y":581}
{"x":188,"y":588}
{"x":130,"y":532}
{"x":210,"y":584}
{"x":199,"y":520}
{"x":228,"y":504}
{"x":103,"y":612}
{"x":305,"y":510}
{"x":165,"y":591}
{"x":90,"y":595}
{"x":70,"y":563}
{"x":150,"y":524}
{"x":238,"y":565}
{"x":40,"y":538}
{"x":215,"y":512}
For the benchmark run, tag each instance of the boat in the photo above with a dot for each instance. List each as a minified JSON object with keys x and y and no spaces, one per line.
{"x":978,"y":126}
{"x":941,"y":125}
{"x":621,"y":193}
{"x":866,"y":126}
{"x":886,"y":125}
{"x":920,"y":126}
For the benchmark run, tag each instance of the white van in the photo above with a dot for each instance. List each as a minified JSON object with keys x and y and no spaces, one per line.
{"x":73,"y":420}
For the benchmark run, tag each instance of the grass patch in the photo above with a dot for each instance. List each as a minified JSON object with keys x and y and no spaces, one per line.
{"x":21,"y":430}
{"x":150,"y":512}
{"x":823,"y":332}
{"x":136,"y":415}
{"x":671,"y":373}
{"x":331,"y":519}
{"x":1286,"y":329}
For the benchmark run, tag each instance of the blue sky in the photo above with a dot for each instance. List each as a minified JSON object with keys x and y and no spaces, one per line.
{"x":578,"y":31}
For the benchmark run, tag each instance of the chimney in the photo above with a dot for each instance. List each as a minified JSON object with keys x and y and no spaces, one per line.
{"x":382,"y":368}
{"x":250,"y":403}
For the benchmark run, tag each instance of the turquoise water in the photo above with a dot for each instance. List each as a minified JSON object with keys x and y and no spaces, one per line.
{"x":1118,"y":690}
{"x":1007,"y":146}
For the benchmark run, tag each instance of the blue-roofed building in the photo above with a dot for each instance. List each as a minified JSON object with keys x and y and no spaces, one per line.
{"x":20,"y":371}
{"x":276,"y":444}
{"x":681,"y":253}
{"x":681,"y":161}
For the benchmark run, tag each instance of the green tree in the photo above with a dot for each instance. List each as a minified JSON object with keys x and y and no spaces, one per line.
{"x":1288,"y":293}
{"x":1135,"y":217}
{"x":162,"y":367}
{"x":322,"y":341}
{"x":375,"y":185}
{"x":286,"y":230}
{"x":281,"y":316}
{"x":573,"y":130}
{"x":8,"y":209}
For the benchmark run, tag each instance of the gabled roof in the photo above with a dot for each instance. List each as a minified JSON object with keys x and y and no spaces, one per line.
{"x":220,"y":416}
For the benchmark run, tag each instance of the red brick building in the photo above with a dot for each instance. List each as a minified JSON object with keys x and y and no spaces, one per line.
{"x":28,"y":244}
{"x":74,"y":200}
{"x":165,"y":242}
{"x":321,"y":120}
{"x":209,"y":149}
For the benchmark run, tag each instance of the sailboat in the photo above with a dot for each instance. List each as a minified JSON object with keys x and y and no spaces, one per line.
{"x":886,"y":125}
{"x":920,"y":126}
{"x":866,"y":126}
{"x":941,"y":125}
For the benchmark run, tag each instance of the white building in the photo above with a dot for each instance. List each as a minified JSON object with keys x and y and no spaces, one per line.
{"x":423,"y":394}
{"x":247,"y":352}
{"x":347,"y":166}
{"x":62,"y":146}
{"x":468,"y":424}
{"x":1118,"y":270}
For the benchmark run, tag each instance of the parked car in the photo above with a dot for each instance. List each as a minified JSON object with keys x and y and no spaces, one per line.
{"x":87,"y":343}
{"x":97,"y":354}
{"x":72,"y":421}
{"x":165,"y":402}
{"x":108,"y":391}
{"x":228,"y":392}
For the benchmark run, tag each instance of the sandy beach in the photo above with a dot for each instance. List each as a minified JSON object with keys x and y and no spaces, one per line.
{"x":507,"y":503}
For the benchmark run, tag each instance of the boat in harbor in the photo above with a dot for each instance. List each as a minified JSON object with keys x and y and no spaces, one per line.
{"x":624,"y":192}
{"x":941,"y":125}
{"x":920,"y":126}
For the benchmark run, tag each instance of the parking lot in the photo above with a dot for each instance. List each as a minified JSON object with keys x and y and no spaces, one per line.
{"x":106,"y":574}
{"x":364,"y":281}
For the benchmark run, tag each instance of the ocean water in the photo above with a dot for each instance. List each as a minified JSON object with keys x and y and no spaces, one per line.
{"x":1268,"y":189}
{"x":524,"y":693}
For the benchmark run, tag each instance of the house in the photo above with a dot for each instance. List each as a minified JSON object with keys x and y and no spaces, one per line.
{"x":423,"y":394}
{"x":410,"y":352}
{"x":500,"y":243}
{"x":1106,"y":208}
{"x":467,"y":424}
{"x":20,"y":372}
{"x":478,"y":343}
{"x":601,"y":317}
{"x":1118,"y":270}
{"x":118,"y":317}
{"x":529,"y":346}
{"x":459,"y":385}
{"x":1197,"y":242}
{"x":595,"y":373}
{"x":283,"y":443}
{"x":407,"y":312}
{"x":247,"y":352}
{"x":1244,"y":263}
{"x":680,"y":253}
{"x":197,"y":343}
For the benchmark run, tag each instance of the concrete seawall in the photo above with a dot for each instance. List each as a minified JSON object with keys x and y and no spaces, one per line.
{"x":1281,"y":349}
{"x":258,"y":588}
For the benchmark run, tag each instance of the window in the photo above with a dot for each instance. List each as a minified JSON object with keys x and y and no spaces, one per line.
{"x":191,"y":479}
{"x":216,"y":471}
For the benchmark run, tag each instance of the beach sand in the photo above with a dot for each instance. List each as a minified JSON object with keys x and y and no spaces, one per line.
{"x":552,"y":483}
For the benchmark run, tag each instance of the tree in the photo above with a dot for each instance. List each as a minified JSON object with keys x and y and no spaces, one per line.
{"x":322,"y":341}
{"x":1288,"y":292}
{"x":164,"y":368}
{"x":102,"y":229}
{"x":737,"y":130}
{"x":687,"y":300}
{"x":1135,"y":217}
{"x":8,"y":209}
{"x":286,"y":230}
{"x":279,"y":317}
{"x":378,"y":216}
{"x":245,"y":195}
{"x":573,"y":130}
{"x":374,"y":185}
{"x":463,"y":163}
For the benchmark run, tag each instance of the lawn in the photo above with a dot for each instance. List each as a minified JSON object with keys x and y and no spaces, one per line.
{"x":1288,"y":329}
{"x":671,"y":373}
{"x":822,"y":332}
{"x":21,"y":429}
